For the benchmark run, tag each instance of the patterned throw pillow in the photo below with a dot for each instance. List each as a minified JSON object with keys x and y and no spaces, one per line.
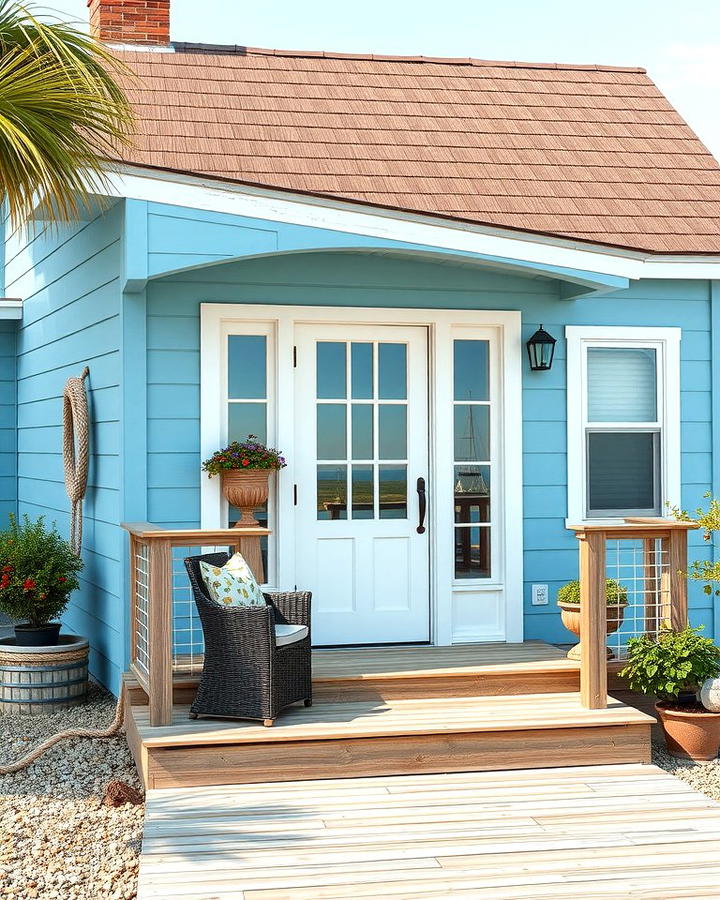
{"x":232,"y":585}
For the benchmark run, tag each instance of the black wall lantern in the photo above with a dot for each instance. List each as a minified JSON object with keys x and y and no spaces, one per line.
{"x":541,"y":349}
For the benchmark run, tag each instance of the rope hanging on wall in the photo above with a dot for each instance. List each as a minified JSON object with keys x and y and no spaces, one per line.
{"x":76,"y":455}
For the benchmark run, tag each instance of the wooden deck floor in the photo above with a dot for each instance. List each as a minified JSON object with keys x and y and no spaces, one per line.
{"x":596,"y":832}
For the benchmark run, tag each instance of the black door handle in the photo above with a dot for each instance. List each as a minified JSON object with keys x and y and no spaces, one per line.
{"x":422,"y":504}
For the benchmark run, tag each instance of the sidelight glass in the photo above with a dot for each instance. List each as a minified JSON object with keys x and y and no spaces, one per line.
{"x":245,"y":419}
{"x":472,"y":552}
{"x":472,"y":493}
{"x":472,"y":432}
{"x":247,"y":366}
{"x":471,"y":370}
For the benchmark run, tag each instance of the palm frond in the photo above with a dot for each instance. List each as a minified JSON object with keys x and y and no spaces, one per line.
{"x":62,"y":112}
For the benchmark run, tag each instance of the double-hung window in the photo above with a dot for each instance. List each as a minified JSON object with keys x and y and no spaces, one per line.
{"x":623,"y":421}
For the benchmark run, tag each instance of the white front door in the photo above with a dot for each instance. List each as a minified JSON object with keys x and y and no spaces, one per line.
{"x":361,"y":446}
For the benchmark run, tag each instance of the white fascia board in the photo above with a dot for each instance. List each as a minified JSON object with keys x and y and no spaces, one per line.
{"x":10,"y":308}
{"x":196,"y":192}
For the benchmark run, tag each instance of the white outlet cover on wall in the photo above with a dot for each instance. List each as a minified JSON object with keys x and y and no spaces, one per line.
{"x":539,"y":595}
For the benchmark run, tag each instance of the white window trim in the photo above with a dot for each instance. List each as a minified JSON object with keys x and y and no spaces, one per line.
{"x":443,"y":325}
{"x":666,"y":342}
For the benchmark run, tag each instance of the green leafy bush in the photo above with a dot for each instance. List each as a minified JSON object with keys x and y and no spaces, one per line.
{"x":38,"y":571}
{"x":615,"y":593}
{"x":676,"y":661}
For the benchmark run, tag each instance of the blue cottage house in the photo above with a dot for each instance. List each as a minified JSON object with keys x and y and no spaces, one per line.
{"x":346,"y":255}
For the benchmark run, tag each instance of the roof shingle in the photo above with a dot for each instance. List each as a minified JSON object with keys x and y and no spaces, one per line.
{"x":594,"y":153}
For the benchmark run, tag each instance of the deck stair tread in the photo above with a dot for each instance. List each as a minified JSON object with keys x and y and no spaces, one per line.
{"x":428,"y":662}
{"x":382,"y":718}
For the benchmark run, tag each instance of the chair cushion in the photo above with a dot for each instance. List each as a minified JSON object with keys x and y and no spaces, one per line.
{"x":289,"y":634}
{"x":233,"y":584}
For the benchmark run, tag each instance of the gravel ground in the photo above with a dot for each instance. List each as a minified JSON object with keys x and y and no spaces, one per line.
{"x":704,"y":776}
{"x":57,"y":840}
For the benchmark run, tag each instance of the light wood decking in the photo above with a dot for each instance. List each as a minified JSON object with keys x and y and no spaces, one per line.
{"x":597,"y":832}
{"x":396,"y":711}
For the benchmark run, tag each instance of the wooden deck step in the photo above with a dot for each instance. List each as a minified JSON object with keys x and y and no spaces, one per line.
{"x":597,"y":832}
{"x":397,"y":673}
{"x":388,"y":737}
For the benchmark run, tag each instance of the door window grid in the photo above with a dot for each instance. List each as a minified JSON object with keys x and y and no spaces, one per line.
{"x":472,"y":412}
{"x":369,"y":409}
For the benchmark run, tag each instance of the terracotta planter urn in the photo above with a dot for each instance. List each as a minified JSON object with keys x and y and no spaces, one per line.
{"x":246,"y":489}
{"x":689,"y":734}
{"x":570,"y":616}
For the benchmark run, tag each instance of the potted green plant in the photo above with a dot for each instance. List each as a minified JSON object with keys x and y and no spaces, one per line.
{"x":673,"y":667}
{"x":244,"y":468}
{"x":568,"y":599}
{"x":38,"y":572}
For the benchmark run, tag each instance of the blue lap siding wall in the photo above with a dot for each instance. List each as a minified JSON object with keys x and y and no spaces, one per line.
{"x":69,"y":279}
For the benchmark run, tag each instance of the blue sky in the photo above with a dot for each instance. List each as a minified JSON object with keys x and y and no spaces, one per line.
{"x":679,"y":43}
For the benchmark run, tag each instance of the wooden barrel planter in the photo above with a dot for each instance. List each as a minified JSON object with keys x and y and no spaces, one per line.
{"x":36,"y":680}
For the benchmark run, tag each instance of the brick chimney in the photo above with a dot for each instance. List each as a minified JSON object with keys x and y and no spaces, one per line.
{"x":130,"y":21}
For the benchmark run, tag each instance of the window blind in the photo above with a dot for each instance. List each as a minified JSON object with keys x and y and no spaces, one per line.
{"x":621,"y":384}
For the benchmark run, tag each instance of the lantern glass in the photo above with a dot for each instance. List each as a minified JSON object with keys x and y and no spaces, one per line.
{"x":541,"y":350}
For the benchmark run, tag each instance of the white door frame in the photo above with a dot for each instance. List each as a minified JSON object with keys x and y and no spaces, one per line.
{"x":446,"y":601}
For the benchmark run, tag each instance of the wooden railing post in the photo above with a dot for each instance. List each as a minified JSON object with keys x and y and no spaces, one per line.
{"x":160,"y":638}
{"x":677,"y":566}
{"x":593,"y":621}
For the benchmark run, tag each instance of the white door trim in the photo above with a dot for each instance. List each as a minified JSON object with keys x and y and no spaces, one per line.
{"x":216,"y":317}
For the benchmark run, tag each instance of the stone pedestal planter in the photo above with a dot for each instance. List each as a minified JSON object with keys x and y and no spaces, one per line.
{"x":36,"y":680}
{"x":246,"y":489}
{"x":570,"y":615}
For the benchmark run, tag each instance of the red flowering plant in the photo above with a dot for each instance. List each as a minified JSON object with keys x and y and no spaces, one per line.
{"x":249,"y":454}
{"x":38,"y":571}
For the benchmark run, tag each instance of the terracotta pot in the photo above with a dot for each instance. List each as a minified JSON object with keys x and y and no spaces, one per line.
{"x":246,"y":489}
{"x":690,"y":734}
{"x":570,"y":615}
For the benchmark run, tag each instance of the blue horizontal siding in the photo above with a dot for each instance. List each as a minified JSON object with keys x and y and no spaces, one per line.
{"x":70,"y":280}
{"x":8,"y":421}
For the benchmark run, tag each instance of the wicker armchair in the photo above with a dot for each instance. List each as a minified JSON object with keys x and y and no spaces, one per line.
{"x":246,"y":674}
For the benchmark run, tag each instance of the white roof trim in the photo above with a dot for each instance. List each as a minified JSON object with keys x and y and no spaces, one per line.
{"x":197,"y":192}
{"x":10,"y":308}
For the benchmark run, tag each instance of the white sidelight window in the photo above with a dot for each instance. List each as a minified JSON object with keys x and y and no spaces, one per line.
{"x":623,"y":389}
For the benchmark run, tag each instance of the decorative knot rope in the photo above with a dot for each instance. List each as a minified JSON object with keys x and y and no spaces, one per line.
{"x":76,"y":455}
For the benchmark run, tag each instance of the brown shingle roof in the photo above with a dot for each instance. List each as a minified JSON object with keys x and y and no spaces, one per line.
{"x":589,"y":152}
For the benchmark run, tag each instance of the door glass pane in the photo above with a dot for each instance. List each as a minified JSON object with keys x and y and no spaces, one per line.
{"x":331,"y":370}
{"x":472,"y":552}
{"x":471,"y":370}
{"x":392,"y":371}
{"x":472,"y":432}
{"x":245,"y":419}
{"x":247,"y":366}
{"x":361,"y":360}
{"x":623,"y":472}
{"x":392,"y":427}
{"x":472,"y":493}
{"x":621,"y":384}
{"x":331,"y":431}
{"x":332,"y":492}
{"x":393,"y":492}
{"x":362,"y":431}
{"x":362,"y":492}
